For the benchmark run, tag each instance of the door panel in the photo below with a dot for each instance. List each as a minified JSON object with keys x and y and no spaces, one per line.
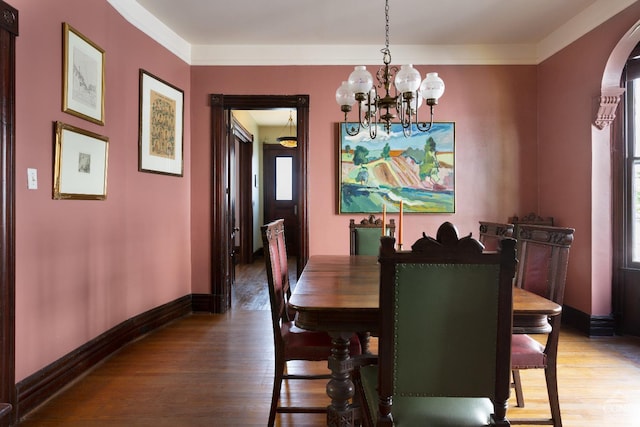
{"x":280,"y":192}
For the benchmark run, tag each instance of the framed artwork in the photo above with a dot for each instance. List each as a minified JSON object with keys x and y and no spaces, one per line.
{"x":161,"y":126}
{"x":82,"y":76}
{"x":80,"y":169}
{"x":418,"y":170}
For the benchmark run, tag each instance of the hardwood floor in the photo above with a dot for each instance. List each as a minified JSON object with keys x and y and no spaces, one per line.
{"x":216,"y":370}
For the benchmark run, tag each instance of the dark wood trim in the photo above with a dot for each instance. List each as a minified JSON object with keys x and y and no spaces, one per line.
{"x":8,"y":34}
{"x":592,"y":326}
{"x":245,"y":182}
{"x":204,"y":302}
{"x":38,"y":387}
{"x":220,"y":284}
{"x":221,"y":106}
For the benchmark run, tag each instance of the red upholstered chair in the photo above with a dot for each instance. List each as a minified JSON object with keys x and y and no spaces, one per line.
{"x":492,"y":232}
{"x":543,"y":259}
{"x":291,"y":342}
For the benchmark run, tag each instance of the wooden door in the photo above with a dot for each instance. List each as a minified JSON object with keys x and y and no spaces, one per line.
{"x":280,"y":191}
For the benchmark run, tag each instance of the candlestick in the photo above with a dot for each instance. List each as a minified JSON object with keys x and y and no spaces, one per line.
{"x":400,"y":227}
{"x":384,"y":219}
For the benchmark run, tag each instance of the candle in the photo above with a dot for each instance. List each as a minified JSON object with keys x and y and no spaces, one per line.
{"x":384,"y":218}
{"x":400,"y":227}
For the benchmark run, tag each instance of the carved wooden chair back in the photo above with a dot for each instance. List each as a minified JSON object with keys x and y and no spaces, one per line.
{"x":531,"y":218}
{"x":492,"y":232}
{"x":364,"y":236}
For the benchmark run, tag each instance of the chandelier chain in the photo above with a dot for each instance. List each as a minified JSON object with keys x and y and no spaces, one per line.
{"x":386,"y":53}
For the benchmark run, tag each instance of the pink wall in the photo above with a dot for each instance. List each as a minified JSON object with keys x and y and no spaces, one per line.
{"x":574,"y":176}
{"x":83,"y":267}
{"x":494,"y":108}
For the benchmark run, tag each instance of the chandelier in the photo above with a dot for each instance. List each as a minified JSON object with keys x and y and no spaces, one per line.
{"x":374,"y":109}
{"x":289,"y":140}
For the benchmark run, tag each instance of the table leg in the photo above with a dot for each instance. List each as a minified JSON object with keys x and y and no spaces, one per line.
{"x":340,"y":388}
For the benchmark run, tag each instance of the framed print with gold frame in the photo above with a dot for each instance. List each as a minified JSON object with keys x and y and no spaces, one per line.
{"x":161,"y":126}
{"x":82,"y":76}
{"x":80,"y":165}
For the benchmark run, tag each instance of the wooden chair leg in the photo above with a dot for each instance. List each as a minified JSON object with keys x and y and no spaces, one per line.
{"x":275,"y":396}
{"x":552,"y":390}
{"x":517,"y":385}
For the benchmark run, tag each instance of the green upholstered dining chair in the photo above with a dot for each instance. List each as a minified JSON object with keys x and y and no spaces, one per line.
{"x":364,"y":239}
{"x":543,"y":254}
{"x":445,"y":334}
{"x":364,"y":236}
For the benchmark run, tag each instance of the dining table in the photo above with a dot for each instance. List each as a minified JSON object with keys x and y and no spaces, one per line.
{"x":339,"y":294}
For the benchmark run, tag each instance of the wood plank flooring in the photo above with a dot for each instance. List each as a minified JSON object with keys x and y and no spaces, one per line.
{"x":217,"y":370}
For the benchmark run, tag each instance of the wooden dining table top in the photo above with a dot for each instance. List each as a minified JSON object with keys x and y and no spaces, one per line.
{"x":340,"y":292}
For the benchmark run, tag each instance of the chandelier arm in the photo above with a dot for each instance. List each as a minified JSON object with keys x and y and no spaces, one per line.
{"x":423,"y":127}
{"x":351,"y":129}
{"x":373,"y":127}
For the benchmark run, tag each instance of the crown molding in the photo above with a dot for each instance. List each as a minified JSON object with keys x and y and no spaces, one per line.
{"x":473,"y":54}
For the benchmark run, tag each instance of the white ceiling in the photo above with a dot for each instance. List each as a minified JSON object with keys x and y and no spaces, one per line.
{"x":352,"y":32}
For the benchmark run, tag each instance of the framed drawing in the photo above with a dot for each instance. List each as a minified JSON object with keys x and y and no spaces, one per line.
{"x":161,"y":126}
{"x":82,"y":76}
{"x":418,"y":170}
{"x":80,"y":166}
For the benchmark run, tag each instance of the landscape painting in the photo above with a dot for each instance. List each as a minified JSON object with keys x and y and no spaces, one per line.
{"x":418,"y":169}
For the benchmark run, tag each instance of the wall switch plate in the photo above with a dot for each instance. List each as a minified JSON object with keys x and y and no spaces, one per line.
{"x":32,"y":179}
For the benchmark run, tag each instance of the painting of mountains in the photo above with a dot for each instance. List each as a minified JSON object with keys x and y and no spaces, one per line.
{"x":418,"y":169}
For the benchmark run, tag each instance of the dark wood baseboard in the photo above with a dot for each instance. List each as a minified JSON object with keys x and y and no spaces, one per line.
{"x":592,"y":326}
{"x":204,"y":302}
{"x":37,"y":388}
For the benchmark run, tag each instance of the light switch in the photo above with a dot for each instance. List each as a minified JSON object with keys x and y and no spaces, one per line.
{"x":32,"y":179}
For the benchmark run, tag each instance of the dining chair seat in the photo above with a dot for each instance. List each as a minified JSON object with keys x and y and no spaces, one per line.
{"x":527,"y":353}
{"x":301,"y":344}
{"x":429,"y":411}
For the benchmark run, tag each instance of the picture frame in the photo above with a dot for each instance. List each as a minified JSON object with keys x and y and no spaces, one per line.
{"x":418,"y":169}
{"x":80,"y":164}
{"x":161,"y":126}
{"x":82,"y":76}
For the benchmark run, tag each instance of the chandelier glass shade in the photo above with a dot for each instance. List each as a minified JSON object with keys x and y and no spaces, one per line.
{"x":289,"y":139}
{"x":383,"y":108}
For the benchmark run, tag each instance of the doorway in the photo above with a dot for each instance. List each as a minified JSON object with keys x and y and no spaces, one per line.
{"x":222,"y":230}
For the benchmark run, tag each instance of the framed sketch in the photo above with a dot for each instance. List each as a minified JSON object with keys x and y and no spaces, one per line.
{"x":161,"y":126}
{"x":82,"y":76}
{"x":80,"y":166}
{"x":419,"y":170}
